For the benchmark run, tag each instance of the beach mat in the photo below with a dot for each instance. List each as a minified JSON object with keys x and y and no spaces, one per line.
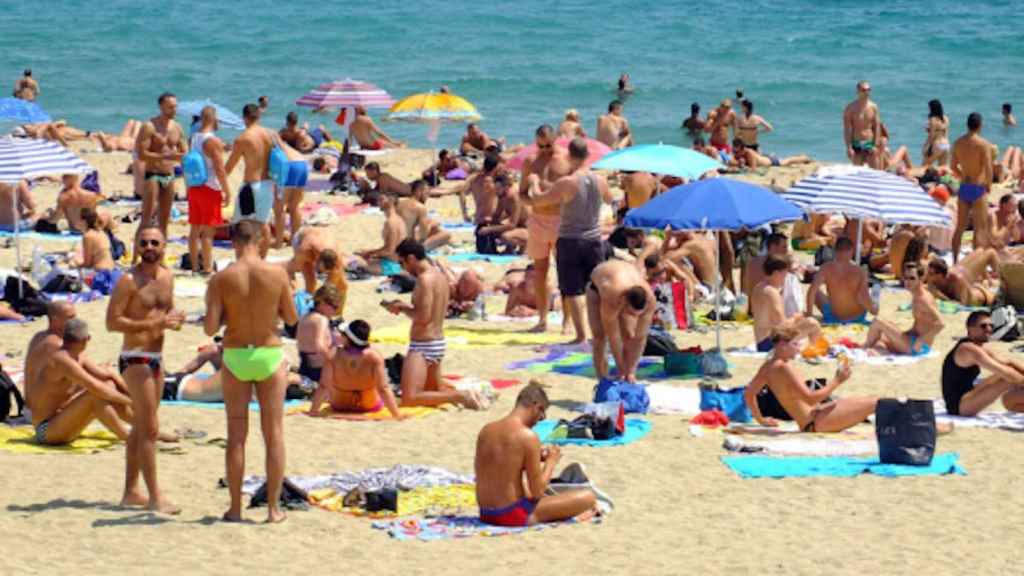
{"x":458,"y":226}
{"x":474,"y":257}
{"x":574,"y":363}
{"x":451,"y":527}
{"x":837,"y":466}
{"x":21,"y":440}
{"x":382,"y":413}
{"x":289,"y":405}
{"x":795,"y":443}
{"x":635,"y":430}
{"x":462,"y":337}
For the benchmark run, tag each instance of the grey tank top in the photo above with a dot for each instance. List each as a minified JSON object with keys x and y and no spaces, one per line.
{"x":581,"y":216}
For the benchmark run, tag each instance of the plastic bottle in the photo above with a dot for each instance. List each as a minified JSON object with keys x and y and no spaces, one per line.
{"x":740,"y":308}
{"x":876,"y":294}
{"x":480,"y":308}
{"x":40,"y":267}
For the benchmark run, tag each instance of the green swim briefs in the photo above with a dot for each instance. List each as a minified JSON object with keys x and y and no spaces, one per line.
{"x":253,"y":364}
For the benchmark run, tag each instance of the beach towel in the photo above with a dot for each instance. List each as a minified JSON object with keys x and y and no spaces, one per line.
{"x":946,"y":307}
{"x":216,"y":243}
{"x":554,"y":318}
{"x":21,"y":440}
{"x":189,"y":288}
{"x":667,"y":399}
{"x":801,"y":444}
{"x":475,"y":257}
{"x":670,"y":304}
{"x":466,"y":337}
{"x":1003,"y":420}
{"x":636,"y":429}
{"x":338,"y":209}
{"x":449,"y":527}
{"x":27,"y":320}
{"x":458,"y":226}
{"x":453,"y":499}
{"x":289,"y":405}
{"x":559,"y":361}
{"x":399,"y":477}
{"x":382,"y":413}
{"x":837,"y":466}
{"x":43,"y":236}
{"x":75,"y":298}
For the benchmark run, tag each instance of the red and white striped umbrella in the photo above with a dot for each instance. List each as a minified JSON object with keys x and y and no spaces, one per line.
{"x":346,"y":93}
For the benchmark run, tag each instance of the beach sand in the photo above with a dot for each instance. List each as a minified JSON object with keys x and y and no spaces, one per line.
{"x":678,"y":509}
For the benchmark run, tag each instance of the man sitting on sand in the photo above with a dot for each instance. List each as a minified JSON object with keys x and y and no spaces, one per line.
{"x":845,"y":299}
{"x":507,"y":224}
{"x":68,"y":392}
{"x":620,"y":306}
{"x":71,"y":200}
{"x":383,"y":261}
{"x":96,"y":254}
{"x":300,"y":137}
{"x":967,"y":282}
{"x":16,"y":205}
{"x":522,"y":296}
{"x":965,"y":392}
{"x":695,"y":251}
{"x":476,"y":142}
{"x":885,"y":337}
{"x":750,"y":159}
{"x":308,"y":245}
{"x":507,"y":451}
{"x":769,"y":311}
{"x":365,"y":131}
{"x":807,"y":407}
{"x":412,"y":208}
{"x":422,"y":384}
{"x":383,"y":182}
{"x":481,"y":187}
{"x":355,"y":379}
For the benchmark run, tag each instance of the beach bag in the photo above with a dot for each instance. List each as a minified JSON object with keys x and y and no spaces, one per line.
{"x":684,"y":362}
{"x":62,"y":282}
{"x":46,"y":227}
{"x":385,"y":499}
{"x":117,"y":247}
{"x":29,"y":303}
{"x":634,"y":397}
{"x":486,"y":243}
{"x":1005,"y":324}
{"x":9,"y":390}
{"x":613,"y":411}
{"x":905,"y":431}
{"x":712,"y":363}
{"x":730,"y":402}
{"x":659,"y":343}
{"x":277,"y":166}
{"x":194,"y":166}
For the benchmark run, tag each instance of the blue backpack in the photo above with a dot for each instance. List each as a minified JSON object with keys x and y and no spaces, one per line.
{"x":730,"y":402}
{"x":277,"y":165}
{"x":193,"y":165}
{"x":634,"y":397}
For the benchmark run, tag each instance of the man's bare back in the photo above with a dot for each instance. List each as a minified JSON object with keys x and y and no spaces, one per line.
{"x":431,"y":286}
{"x":250,"y":296}
{"x":253,"y":145}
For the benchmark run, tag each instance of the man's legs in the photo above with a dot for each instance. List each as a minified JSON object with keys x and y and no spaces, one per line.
{"x":726,"y":259}
{"x":978,"y":263}
{"x":572,"y":307}
{"x":417,"y":377}
{"x":68,"y":424}
{"x":563,"y":506}
{"x":270,"y":394}
{"x":206,"y":234}
{"x":436,"y":238}
{"x":985,"y":392}
{"x":194,"y":237}
{"x":141,"y":453}
{"x":293,"y":198}
{"x":844,"y":413}
{"x":166,"y":201}
{"x":278,"y":208}
{"x":150,"y":191}
{"x":236,"y":404}
{"x":963,"y":212}
{"x":540,"y":290}
{"x":597,"y":330}
{"x":888,"y":336}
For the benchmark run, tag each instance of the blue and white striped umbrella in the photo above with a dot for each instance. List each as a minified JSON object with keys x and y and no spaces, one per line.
{"x":226,"y":117}
{"x":22,"y":158}
{"x":867,"y":193}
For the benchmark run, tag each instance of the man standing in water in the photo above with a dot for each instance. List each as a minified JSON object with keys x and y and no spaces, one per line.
{"x":862,"y":128}
{"x":160,"y":146}
{"x":972,"y":164}
{"x":142,"y":307}
{"x":255,"y":198}
{"x":250,"y":298}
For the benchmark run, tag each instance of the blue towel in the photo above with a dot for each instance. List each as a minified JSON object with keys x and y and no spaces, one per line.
{"x":33,"y":235}
{"x":458,"y":226}
{"x":254,"y":406}
{"x":837,"y":466}
{"x":635,"y":430}
{"x":473,"y":256}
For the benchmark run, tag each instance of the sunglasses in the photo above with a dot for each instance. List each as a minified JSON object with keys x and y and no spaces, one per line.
{"x":545,"y":146}
{"x":153,"y":243}
{"x":985,"y":326}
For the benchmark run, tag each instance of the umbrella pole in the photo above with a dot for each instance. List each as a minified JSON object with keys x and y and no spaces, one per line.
{"x":718,"y":296}
{"x":860,"y":232}
{"x":17,"y":240}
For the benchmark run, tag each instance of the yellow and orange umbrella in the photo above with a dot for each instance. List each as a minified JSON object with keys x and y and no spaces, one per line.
{"x":433,"y":107}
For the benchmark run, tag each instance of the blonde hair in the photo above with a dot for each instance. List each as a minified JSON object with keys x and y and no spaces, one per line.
{"x":572,"y":114}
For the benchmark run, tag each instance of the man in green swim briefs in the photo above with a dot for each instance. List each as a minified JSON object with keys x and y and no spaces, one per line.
{"x":862,"y":128}
{"x":250,"y":298}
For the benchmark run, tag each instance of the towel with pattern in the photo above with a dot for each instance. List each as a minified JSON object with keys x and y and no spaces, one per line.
{"x":449,"y":527}
{"x":451,"y":500}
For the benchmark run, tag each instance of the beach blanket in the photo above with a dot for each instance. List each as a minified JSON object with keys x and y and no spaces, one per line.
{"x":554,"y":318}
{"x":382,"y":413}
{"x":582,"y":364}
{"x":458,"y":226}
{"x":33,"y":235}
{"x":946,"y":307}
{"x":339,"y":209}
{"x":21,"y":440}
{"x":1003,"y":420}
{"x":27,"y":320}
{"x":636,"y":429}
{"x":856,"y":355}
{"x":475,"y":257}
{"x":465,"y":337}
{"x":398,"y":477}
{"x":849,"y":443}
{"x":453,"y":499}
{"x":667,"y":399}
{"x":449,"y":527}
{"x":837,"y":466}
{"x":254,"y":406}
{"x":73,"y":297}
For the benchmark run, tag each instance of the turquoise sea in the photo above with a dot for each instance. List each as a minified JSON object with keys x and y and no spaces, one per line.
{"x":523,"y":63}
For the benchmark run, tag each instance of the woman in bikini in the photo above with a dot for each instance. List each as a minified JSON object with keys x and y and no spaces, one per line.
{"x":748,"y":126}
{"x":936,"y":145}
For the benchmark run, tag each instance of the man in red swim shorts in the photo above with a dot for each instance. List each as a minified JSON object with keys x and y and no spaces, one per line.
{"x":365,"y":131}
{"x":205,"y":201}
{"x":509,"y":448}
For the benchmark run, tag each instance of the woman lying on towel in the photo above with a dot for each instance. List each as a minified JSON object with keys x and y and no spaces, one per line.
{"x":355,"y":379}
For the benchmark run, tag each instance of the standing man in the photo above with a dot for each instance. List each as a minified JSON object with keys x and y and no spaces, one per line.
{"x":422,"y":384}
{"x":862,"y":128}
{"x":249,"y":298}
{"x":288,"y":199}
{"x":205,"y":201}
{"x":255,"y":199}
{"x":26,"y":87}
{"x":613,"y":128}
{"x":547,"y":164}
{"x":719,"y":121}
{"x":142,"y":307}
{"x":161,"y":146}
{"x":620,"y":306}
{"x":579,"y":248}
{"x":972,"y":164}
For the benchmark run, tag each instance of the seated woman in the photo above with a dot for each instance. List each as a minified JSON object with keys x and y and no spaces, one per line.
{"x":97,"y":254}
{"x":313,"y":335}
{"x":355,"y":379}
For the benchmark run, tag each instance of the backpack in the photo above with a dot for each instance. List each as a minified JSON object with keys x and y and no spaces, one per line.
{"x":634,"y":397}
{"x":7,"y":390}
{"x":1005,"y":324}
{"x":277,"y":166}
{"x":193,"y":165}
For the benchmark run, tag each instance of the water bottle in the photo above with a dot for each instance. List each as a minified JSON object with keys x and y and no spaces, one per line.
{"x":40,"y":267}
{"x":480,"y":308}
{"x":740,"y":308}
{"x":876,"y":294}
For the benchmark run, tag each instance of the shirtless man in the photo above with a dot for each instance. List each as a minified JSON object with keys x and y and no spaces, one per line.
{"x":570,"y":126}
{"x":249,"y":298}
{"x":749,"y":158}
{"x":422,"y":384}
{"x":16,"y":205}
{"x":862,"y":128}
{"x":313,"y":334}
{"x":909,"y":245}
{"x":620,"y":306}
{"x":613,"y":128}
{"x":386,"y":183}
{"x":701,"y":145}
{"x":66,"y":391}
{"x":365,"y":131}
{"x":967,"y":282}
{"x":510,"y":218}
{"x":419,"y":225}
{"x":475,"y":141}
{"x":161,"y":145}
{"x":308,"y":246}
{"x":1008,"y":119}
{"x":123,"y":142}
{"x":255,"y":198}
{"x":46,"y":342}
{"x":522,"y":298}
{"x":845,"y":298}
{"x":481,"y":187}
{"x":965,"y":392}
{"x":753,"y":272}
{"x":142,"y":307}
{"x":72,"y":200}
{"x":507,"y":452}
{"x":693,"y":124}
{"x":639,"y":187}
{"x":972,"y":165}
{"x":807,"y":407}
{"x":355,"y":379}
{"x":747,"y":127}
{"x":288,"y":198}
{"x":694,"y":251}
{"x":26,"y":87}
{"x":886,"y":337}
{"x":548,"y":163}
{"x":299,"y":137}
{"x":768,"y":309}
{"x":1007,"y":220}
{"x":718,"y":123}
{"x":383,"y":261}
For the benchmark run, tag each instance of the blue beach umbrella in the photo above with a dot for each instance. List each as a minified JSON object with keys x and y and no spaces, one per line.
{"x":713,"y":204}
{"x":659,"y":159}
{"x":22,"y":111}
{"x":224,"y":116}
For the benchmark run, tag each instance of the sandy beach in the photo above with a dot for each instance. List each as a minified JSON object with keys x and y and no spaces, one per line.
{"x":678,"y":509}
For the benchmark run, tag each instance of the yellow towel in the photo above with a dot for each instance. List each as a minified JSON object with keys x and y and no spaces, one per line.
{"x":470,"y":337}
{"x":382,"y":413}
{"x":434,"y":501}
{"x":21,"y":440}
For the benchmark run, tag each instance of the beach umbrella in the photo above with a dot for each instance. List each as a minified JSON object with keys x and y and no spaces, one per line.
{"x":662,"y":159}
{"x":595,"y":151}
{"x":22,"y":111}
{"x":24,"y":158}
{"x":713,"y":204}
{"x":346,"y":93}
{"x":433,"y":108}
{"x":867,"y":193}
{"x":224,"y":116}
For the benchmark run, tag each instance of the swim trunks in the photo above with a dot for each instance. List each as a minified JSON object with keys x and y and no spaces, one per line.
{"x":204,"y":206}
{"x":775,"y":160}
{"x":23,"y":226}
{"x":389,"y":267}
{"x":252,"y":363}
{"x":375,"y":145}
{"x":723,"y":147}
{"x":356,"y":400}
{"x":41,"y":431}
{"x":971,"y":192}
{"x":724,"y":156}
{"x":514,"y":515}
{"x":542,"y":235}
{"x":255,"y":201}
{"x":431,"y":350}
{"x":104,"y":281}
{"x":150,"y":359}
{"x":863,"y":146}
{"x":925,"y":348}
{"x":765,"y":345}
{"x":575,"y":260}
{"x":306,"y":368}
{"x":298,"y":174}
{"x":318,"y":136}
{"x":163,"y":179}
{"x":829,"y":318}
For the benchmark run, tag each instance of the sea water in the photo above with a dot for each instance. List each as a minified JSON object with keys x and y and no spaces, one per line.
{"x":524,"y":63}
